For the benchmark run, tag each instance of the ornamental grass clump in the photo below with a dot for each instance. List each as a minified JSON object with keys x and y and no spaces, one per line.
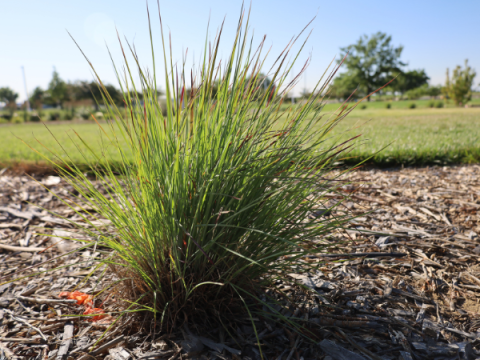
{"x":216,"y":200}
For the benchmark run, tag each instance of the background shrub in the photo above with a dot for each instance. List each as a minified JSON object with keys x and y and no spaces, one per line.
{"x":17,"y":119}
{"x":37,"y":116}
{"x":55,"y":115}
{"x":34,"y":117}
{"x":69,"y":114}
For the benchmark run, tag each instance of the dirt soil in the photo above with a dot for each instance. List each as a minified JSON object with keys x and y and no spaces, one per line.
{"x":401,"y":282}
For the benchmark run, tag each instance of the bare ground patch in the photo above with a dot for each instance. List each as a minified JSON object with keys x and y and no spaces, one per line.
{"x":402,"y":282}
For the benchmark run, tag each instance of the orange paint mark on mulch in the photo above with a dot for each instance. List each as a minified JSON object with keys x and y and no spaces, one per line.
{"x":82,"y":298}
{"x":87,"y":301}
{"x":99,"y":314}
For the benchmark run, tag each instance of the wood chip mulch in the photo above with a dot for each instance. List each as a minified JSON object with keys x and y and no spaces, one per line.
{"x":402,"y":282}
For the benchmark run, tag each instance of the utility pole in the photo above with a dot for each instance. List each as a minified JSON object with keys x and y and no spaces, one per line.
{"x":305,"y":83}
{"x":26,"y":91}
{"x":291,"y":93}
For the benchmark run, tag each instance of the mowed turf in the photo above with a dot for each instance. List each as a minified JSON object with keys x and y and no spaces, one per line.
{"x":414,"y":136}
{"x":54,"y":139}
{"x":392,"y":136}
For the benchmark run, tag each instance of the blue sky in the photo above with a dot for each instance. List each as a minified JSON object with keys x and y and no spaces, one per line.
{"x":435,"y":34}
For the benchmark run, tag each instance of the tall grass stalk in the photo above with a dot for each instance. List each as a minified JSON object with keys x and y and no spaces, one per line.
{"x":215,"y":205}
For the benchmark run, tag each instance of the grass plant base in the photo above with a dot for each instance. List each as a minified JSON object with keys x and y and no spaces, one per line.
{"x":207,"y":308}
{"x":220,"y":315}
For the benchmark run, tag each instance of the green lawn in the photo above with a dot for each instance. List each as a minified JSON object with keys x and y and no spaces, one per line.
{"x":404,"y":104}
{"x":57,"y":137}
{"x":415,"y":136}
{"x":411,"y":136}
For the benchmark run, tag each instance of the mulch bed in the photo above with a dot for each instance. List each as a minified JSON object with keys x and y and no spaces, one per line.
{"x":402,"y":282}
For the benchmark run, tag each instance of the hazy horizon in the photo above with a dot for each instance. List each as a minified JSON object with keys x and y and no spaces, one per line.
{"x":435,"y":35}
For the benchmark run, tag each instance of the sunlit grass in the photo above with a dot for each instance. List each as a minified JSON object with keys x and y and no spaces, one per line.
{"x":417,"y":136}
{"x":12,"y":149}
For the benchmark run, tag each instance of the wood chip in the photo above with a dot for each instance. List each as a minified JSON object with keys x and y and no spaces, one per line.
{"x":402,"y":281}
{"x":21,"y":248}
{"x":66,"y":341}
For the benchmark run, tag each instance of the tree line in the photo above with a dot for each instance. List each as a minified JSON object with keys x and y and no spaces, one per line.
{"x":60,"y":92}
{"x":374,"y":64}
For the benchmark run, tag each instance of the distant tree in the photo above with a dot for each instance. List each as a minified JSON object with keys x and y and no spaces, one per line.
{"x":37,"y":98}
{"x":459,"y":87}
{"x":424,"y":90}
{"x":410,"y":80}
{"x":416,"y":93}
{"x":57,"y":89}
{"x":79,"y":90}
{"x":434,"y":91}
{"x":114,"y":93}
{"x":305,"y":94}
{"x":84,"y":90}
{"x":371,"y":62}
{"x":260,"y":84}
{"x":9,"y":97}
{"x":343,"y":87}
{"x":135,"y":96}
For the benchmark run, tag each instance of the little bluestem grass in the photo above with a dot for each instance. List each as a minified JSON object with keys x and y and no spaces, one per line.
{"x":211,"y":201}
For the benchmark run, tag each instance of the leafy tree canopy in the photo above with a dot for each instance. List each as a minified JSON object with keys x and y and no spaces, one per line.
{"x":371,"y":62}
{"x":424,"y":90}
{"x":57,"y":89}
{"x":344,"y":86}
{"x":84,"y":90}
{"x":7,"y":95}
{"x":410,"y":80}
{"x":259,"y":85}
{"x":38,"y":97}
